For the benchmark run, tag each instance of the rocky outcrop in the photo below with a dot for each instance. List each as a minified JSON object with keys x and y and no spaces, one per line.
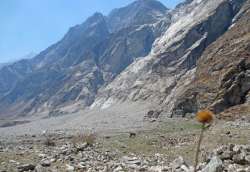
{"x":235,"y":85}
{"x":138,"y":13}
{"x":222,"y":76}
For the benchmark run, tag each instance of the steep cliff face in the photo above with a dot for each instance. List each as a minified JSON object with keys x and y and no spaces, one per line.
{"x":169,"y":68}
{"x":222,"y":80}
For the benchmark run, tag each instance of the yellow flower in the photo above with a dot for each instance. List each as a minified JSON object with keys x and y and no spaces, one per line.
{"x":204,"y":116}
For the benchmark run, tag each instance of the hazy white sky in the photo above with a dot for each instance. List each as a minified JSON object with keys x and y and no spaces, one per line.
{"x":33,"y":25}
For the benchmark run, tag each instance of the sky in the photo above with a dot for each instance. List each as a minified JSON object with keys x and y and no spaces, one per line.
{"x":30,"y":26}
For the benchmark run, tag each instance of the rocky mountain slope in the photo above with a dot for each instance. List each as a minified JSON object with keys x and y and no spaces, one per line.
{"x":2,"y":64}
{"x":222,"y":78}
{"x":141,"y":52}
{"x":89,"y":56}
{"x":170,"y":67}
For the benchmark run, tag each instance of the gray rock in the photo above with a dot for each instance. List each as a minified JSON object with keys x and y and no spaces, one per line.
{"x":227,"y":155}
{"x":240,"y":159}
{"x":232,"y":168}
{"x":45,"y":163}
{"x":42,"y":155}
{"x":247,"y":169}
{"x":118,"y":169}
{"x":81,"y":166}
{"x":69,"y":168}
{"x":82,"y":147}
{"x":178,"y":163}
{"x":131,"y":160}
{"x":215,"y":165}
{"x":40,"y":168}
{"x":221,"y":150}
{"x":160,"y":168}
{"x":237,"y":148}
{"x":25,"y":167}
{"x":247,"y":158}
{"x":14,"y":162}
{"x":185,"y":168}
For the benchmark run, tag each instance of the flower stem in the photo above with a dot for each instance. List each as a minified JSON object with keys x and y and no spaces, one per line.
{"x":198,"y":147}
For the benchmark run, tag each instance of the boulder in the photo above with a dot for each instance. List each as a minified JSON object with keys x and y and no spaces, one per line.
{"x":69,"y":168}
{"x":45,"y":163}
{"x":215,"y":165}
{"x":40,"y":168}
{"x":25,"y":167}
{"x":178,"y":163}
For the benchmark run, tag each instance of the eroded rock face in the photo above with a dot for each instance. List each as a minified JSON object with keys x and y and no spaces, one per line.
{"x":234,"y":88}
{"x":167,"y":73}
{"x":222,"y":75}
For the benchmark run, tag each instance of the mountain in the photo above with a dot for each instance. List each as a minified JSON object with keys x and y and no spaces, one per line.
{"x":143,"y":52}
{"x":72,"y":70}
{"x":138,"y":13}
{"x":11,"y":72}
{"x":3,"y":64}
{"x":170,"y":67}
{"x":27,"y":56}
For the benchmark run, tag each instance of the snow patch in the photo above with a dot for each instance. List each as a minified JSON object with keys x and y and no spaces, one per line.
{"x":108,"y":103}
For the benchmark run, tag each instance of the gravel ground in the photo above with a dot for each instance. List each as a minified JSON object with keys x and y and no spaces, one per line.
{"x":121,"y":118}
{"x":170,"y":146}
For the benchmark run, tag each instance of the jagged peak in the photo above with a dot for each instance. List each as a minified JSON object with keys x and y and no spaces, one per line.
{"x":182,"y":4}
{"x":153,"y":4}
{"x":97,"y":16}
{"x":137,"y":13}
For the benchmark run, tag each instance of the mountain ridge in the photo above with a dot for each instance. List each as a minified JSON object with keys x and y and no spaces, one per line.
{"x":159,"y":66}
{"x":74,"y":68}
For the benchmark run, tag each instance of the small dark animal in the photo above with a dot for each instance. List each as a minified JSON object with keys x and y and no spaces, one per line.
{"x":132,"y":135}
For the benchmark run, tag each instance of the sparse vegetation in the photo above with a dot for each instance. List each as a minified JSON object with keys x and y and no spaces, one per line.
{"x":90,"y":139}
{"x":49,"y":141}
{"x":170,"y":139}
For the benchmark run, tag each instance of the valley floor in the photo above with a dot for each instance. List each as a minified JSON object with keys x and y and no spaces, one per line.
{"x":121,"y":118}
{"x":151,"y":149}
